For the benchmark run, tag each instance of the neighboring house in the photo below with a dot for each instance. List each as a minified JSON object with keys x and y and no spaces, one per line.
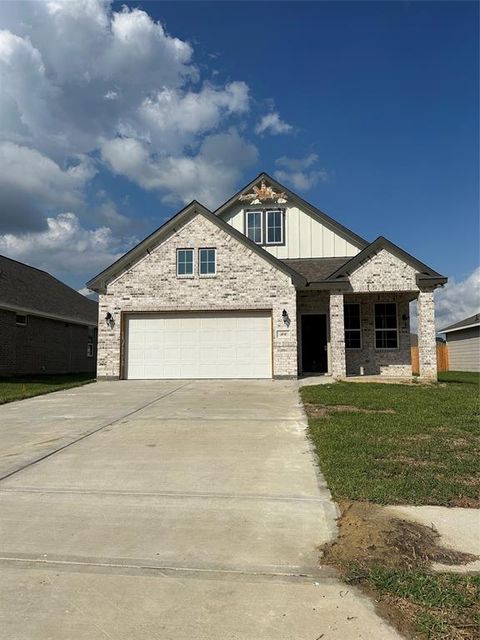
{"x":463,"y":340}
{"x":265,"y":286}
{"x":45,"y":326}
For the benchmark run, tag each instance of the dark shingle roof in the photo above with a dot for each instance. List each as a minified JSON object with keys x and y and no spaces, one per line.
{"x":25,"y":288}
{"x":315,"y":269}
{"x":462,"y":323}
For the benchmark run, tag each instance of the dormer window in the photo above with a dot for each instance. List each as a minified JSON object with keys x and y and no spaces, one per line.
{"x":265,"y":226}
{"x":274,"y":227}
{"x":254,"y":226}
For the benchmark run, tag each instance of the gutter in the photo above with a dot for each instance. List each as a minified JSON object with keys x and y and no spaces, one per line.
{"x":50,"y":316}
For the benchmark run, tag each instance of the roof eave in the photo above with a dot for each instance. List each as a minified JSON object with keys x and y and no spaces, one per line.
{"x":467,"y":326}
{"x":99,"y":283}
{"x":327,"y":285}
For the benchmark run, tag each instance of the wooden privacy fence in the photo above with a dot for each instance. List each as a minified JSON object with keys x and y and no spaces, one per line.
{"x":442,"y":358}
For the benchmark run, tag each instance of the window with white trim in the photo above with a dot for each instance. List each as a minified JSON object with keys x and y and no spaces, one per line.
{"x":254,"y":226}
{"x":274,"y":223}
{"x":207,"y":262}
{"x":353,"y":332}
{"x":184,"y":262}
{"x":386,"y":325}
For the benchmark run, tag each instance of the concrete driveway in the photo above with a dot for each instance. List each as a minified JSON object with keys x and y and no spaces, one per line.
{"x":170,"y":510}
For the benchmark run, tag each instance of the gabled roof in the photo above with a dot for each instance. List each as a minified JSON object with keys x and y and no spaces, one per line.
{"x":99,"y":282}
{"x":426,"y":275}
{"x":301,"y":203}
{"x":472,"y":321}
{"x":315,"y":269}
{"x":28,"y":290}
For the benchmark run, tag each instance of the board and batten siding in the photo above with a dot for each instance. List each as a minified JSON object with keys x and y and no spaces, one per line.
{"x":464,"y":349}
{"x":305,"y":235}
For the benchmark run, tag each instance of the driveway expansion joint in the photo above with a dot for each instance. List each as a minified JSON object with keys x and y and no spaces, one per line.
{"x":35,"y":461}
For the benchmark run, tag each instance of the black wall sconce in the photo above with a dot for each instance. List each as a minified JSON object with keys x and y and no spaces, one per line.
{"x":285,"y":317}
{"x":109,"y":320}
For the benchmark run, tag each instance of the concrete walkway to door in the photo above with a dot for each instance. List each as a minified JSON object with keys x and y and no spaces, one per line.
{"x":180,"y":510}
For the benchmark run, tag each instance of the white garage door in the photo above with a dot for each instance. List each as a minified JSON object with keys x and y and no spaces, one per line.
{"x":199,"y":345}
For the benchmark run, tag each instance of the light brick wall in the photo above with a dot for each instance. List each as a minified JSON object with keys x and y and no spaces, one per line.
{"x":337,"y":336}
{"x":384,"y":272}
{"x":387,"y":362}
{"x":244,"y":281}
{"x":427,"y":347}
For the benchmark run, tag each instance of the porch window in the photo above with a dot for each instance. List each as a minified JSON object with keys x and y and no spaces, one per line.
{"x":254,"y":226}
{"x":274,"y":227}
{"x":353,"y":334}
{"x":386,"y":326}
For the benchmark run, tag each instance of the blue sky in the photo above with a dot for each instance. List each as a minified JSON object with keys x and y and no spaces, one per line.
{"x":120,"y":116}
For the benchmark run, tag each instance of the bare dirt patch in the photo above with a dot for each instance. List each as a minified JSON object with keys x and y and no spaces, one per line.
{"x":374,"y":548}
{"x":322,"y":410}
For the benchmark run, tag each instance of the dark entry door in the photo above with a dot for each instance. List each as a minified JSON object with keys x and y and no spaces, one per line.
{"x":314,"y":343}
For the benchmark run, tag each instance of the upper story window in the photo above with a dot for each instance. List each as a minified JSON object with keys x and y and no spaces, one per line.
{"x":386,"y":326}
{"x":207,"y":262}
{"x":353,"y":333}
{"x":184,"y":262}
{"x":254,"y":226}
{"x":274,"y":224}
{"x":265,"y":226}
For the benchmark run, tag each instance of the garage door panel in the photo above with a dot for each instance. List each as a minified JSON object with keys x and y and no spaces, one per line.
{"x":233,"y":345}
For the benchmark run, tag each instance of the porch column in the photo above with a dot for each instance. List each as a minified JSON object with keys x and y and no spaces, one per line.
{"x":337,"y":336}
{"x":427,"y":345}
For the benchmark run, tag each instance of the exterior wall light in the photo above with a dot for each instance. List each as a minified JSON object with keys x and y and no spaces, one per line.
{"x":285,"y":317}
{"x":109,"y":320}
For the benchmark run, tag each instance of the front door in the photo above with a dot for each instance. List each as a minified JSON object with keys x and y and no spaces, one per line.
{"x":314,"y":343}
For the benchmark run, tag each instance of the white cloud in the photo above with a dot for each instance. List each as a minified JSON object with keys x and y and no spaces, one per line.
{"x":458,"y":300}
{"x":209,"y":176}
{"x":30,"y":182}
{"x":65,"y":247}
{"x":75,"y":75}
{"x":272,"y":123}
{"x":300,"y":172}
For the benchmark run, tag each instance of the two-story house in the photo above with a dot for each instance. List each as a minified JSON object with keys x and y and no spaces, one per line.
{"x":265,"y":286}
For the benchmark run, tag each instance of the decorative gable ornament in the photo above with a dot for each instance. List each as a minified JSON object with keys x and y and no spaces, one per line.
{"x":263,"y":193}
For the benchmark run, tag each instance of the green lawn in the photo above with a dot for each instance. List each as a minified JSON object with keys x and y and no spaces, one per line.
{"x":439,"y":606}
{"x":29,"y":386}
{"x":423,"y":449}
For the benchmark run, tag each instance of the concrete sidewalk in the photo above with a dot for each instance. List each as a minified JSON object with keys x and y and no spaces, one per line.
{"x":192,"y":510}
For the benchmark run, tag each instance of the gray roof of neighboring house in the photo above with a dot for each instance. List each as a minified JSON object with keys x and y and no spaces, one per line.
{"x":472,"y":321}
{"x":35,"y":292}
{"x":316,"y":269}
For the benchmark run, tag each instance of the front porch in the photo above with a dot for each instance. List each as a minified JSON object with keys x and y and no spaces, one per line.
{"x":364,"y":335}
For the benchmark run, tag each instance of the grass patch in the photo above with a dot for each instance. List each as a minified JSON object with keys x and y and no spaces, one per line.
{"x":393,"y":443}
{"x":439,"y":607}
{"x":26,"y":387}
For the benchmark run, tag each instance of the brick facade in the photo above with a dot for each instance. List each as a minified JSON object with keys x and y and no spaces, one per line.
{"x":382,"y":278}
{"x":43,"y":346}
{"x":244,"y":281}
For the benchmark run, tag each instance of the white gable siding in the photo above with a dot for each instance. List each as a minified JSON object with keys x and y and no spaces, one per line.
{"x":305,"y":236}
